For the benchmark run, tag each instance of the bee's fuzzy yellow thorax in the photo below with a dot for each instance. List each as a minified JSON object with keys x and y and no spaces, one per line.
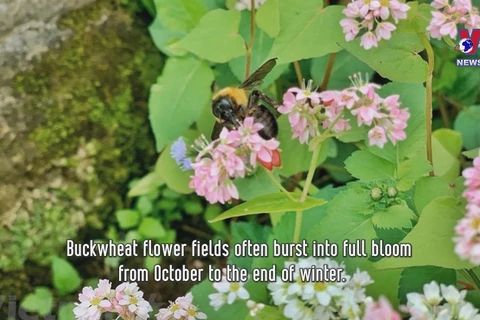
{"x":239,"y":95}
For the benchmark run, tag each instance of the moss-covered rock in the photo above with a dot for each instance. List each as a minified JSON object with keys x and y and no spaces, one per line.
{"x":84,"y":133}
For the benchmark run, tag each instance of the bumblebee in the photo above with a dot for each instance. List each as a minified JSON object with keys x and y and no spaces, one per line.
{"x":231,"y":106}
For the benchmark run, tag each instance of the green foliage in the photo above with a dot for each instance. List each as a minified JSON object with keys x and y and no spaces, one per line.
{"x":432,"y":238}
{"x":65,"y":278}
{"x":40,"y":301}
{"x":467,"y":124}
{"x":215,"y":38}
{"x":172,"y":95}
{"x":275,"y":202}
{"x":302,"y":37}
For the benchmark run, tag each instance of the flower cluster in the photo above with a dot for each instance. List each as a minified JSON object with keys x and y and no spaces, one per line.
{"x":181,"y":309}
{"x":303,"y":300}
{"x":468,"y":228}
{"x":126,"y":300}
{"x":229,"y":292}
{"x":234,"y":155}
{"x":372,"y":16}
{"x":308,"y":110}
{"x":440,"y":302}
{"x":444,"y":22}
{"x":246,"y":4}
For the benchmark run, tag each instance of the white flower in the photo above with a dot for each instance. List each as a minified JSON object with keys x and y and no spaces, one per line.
{"x":432,"y":293}
{"x":468,"y":312}
{"x":297,"y":310}
{"x":233,"y":290}
{"x":136,"y":304}
{"x":92,"y":304}
{"x":181,"y":309}
{"x":254,"y":307}
{"x":278,"y":290}
{"x":217,"y":300}
{"x":246,"y":4}
{"x":451,"y":294}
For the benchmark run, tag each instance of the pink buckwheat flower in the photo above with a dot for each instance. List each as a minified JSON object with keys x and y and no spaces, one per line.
{"x":329,"y":110}
{"x":93,"y":302}
{"x":234,"y":154}
{"x":467,"y":238}
{"x":380,"y":310}
{"x":371,"y":16}
{"x":181,"y":309}
{"x":447,"y":21}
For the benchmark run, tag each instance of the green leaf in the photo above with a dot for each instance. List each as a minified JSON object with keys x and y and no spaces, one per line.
{"x":262,"y":44}
{"x":472,"y":154}
{"x":305,"y":37}
{"x":193,"y":207}
{"x":413,"y":279}
{"x":283,"y":233}
{"x":445,"y":165}
{"x":429,"y":188}
{"x":431,"y":238}
{"x":148,"y":184}
{"x":215,"y":38}
{"x":411,"y":170}
{"x":397,"y":216}
{"x":65,"y":278}
{"x":41,"y":301}
{"x":385,"y":284}
{"x":366,"y":166}
{"x":336,"y":166}
{"x":151,"y":262}
{"x":351,"y":207}
{"x":65,"y":312}
{"x":127,"y":218}
{"x":268,"y":18}
{"x":175,"y":95}
{"x":467,"y":124}
{"x":275,"y":202}
{"x":151,"y":228}
{"x":180,"y":15}
{"x":344,"y":66}
{"x":412,"y":97}
{"x":396,"y":59}
{"x":256,"y":185}
{"x":164,"y":38}
{"x":450,"y":140}
{"x":242,"y":231}
{"x":296,"y":157}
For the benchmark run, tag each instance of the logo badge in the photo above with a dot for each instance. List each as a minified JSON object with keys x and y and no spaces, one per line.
{"x":468,"y":45}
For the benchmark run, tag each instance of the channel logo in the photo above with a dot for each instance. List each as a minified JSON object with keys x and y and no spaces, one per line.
{"x":468,"y":45}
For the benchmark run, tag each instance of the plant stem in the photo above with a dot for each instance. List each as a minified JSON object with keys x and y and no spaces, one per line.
{"x":252,"y":36}
{"x":443,"y":111}
{"x":298,"y":72}
{"x":474,"y":278}
{"x":308,"y":180}
{"x":279,"y":185}
{"x":428,"y":108}
{"x":328,"y":71}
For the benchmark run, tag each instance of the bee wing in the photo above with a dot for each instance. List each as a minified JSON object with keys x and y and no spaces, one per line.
{"x":217,"y":128}
{"x":257,"y":77}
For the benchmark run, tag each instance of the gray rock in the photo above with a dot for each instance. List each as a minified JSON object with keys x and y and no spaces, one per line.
{"x":16,"y":12}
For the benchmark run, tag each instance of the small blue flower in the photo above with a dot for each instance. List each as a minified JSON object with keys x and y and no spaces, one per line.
{"x":178,"y":151}
{"x":187,"y":164}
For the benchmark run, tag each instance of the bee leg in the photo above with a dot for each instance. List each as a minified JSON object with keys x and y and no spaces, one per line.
{"x":257,"y":95}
